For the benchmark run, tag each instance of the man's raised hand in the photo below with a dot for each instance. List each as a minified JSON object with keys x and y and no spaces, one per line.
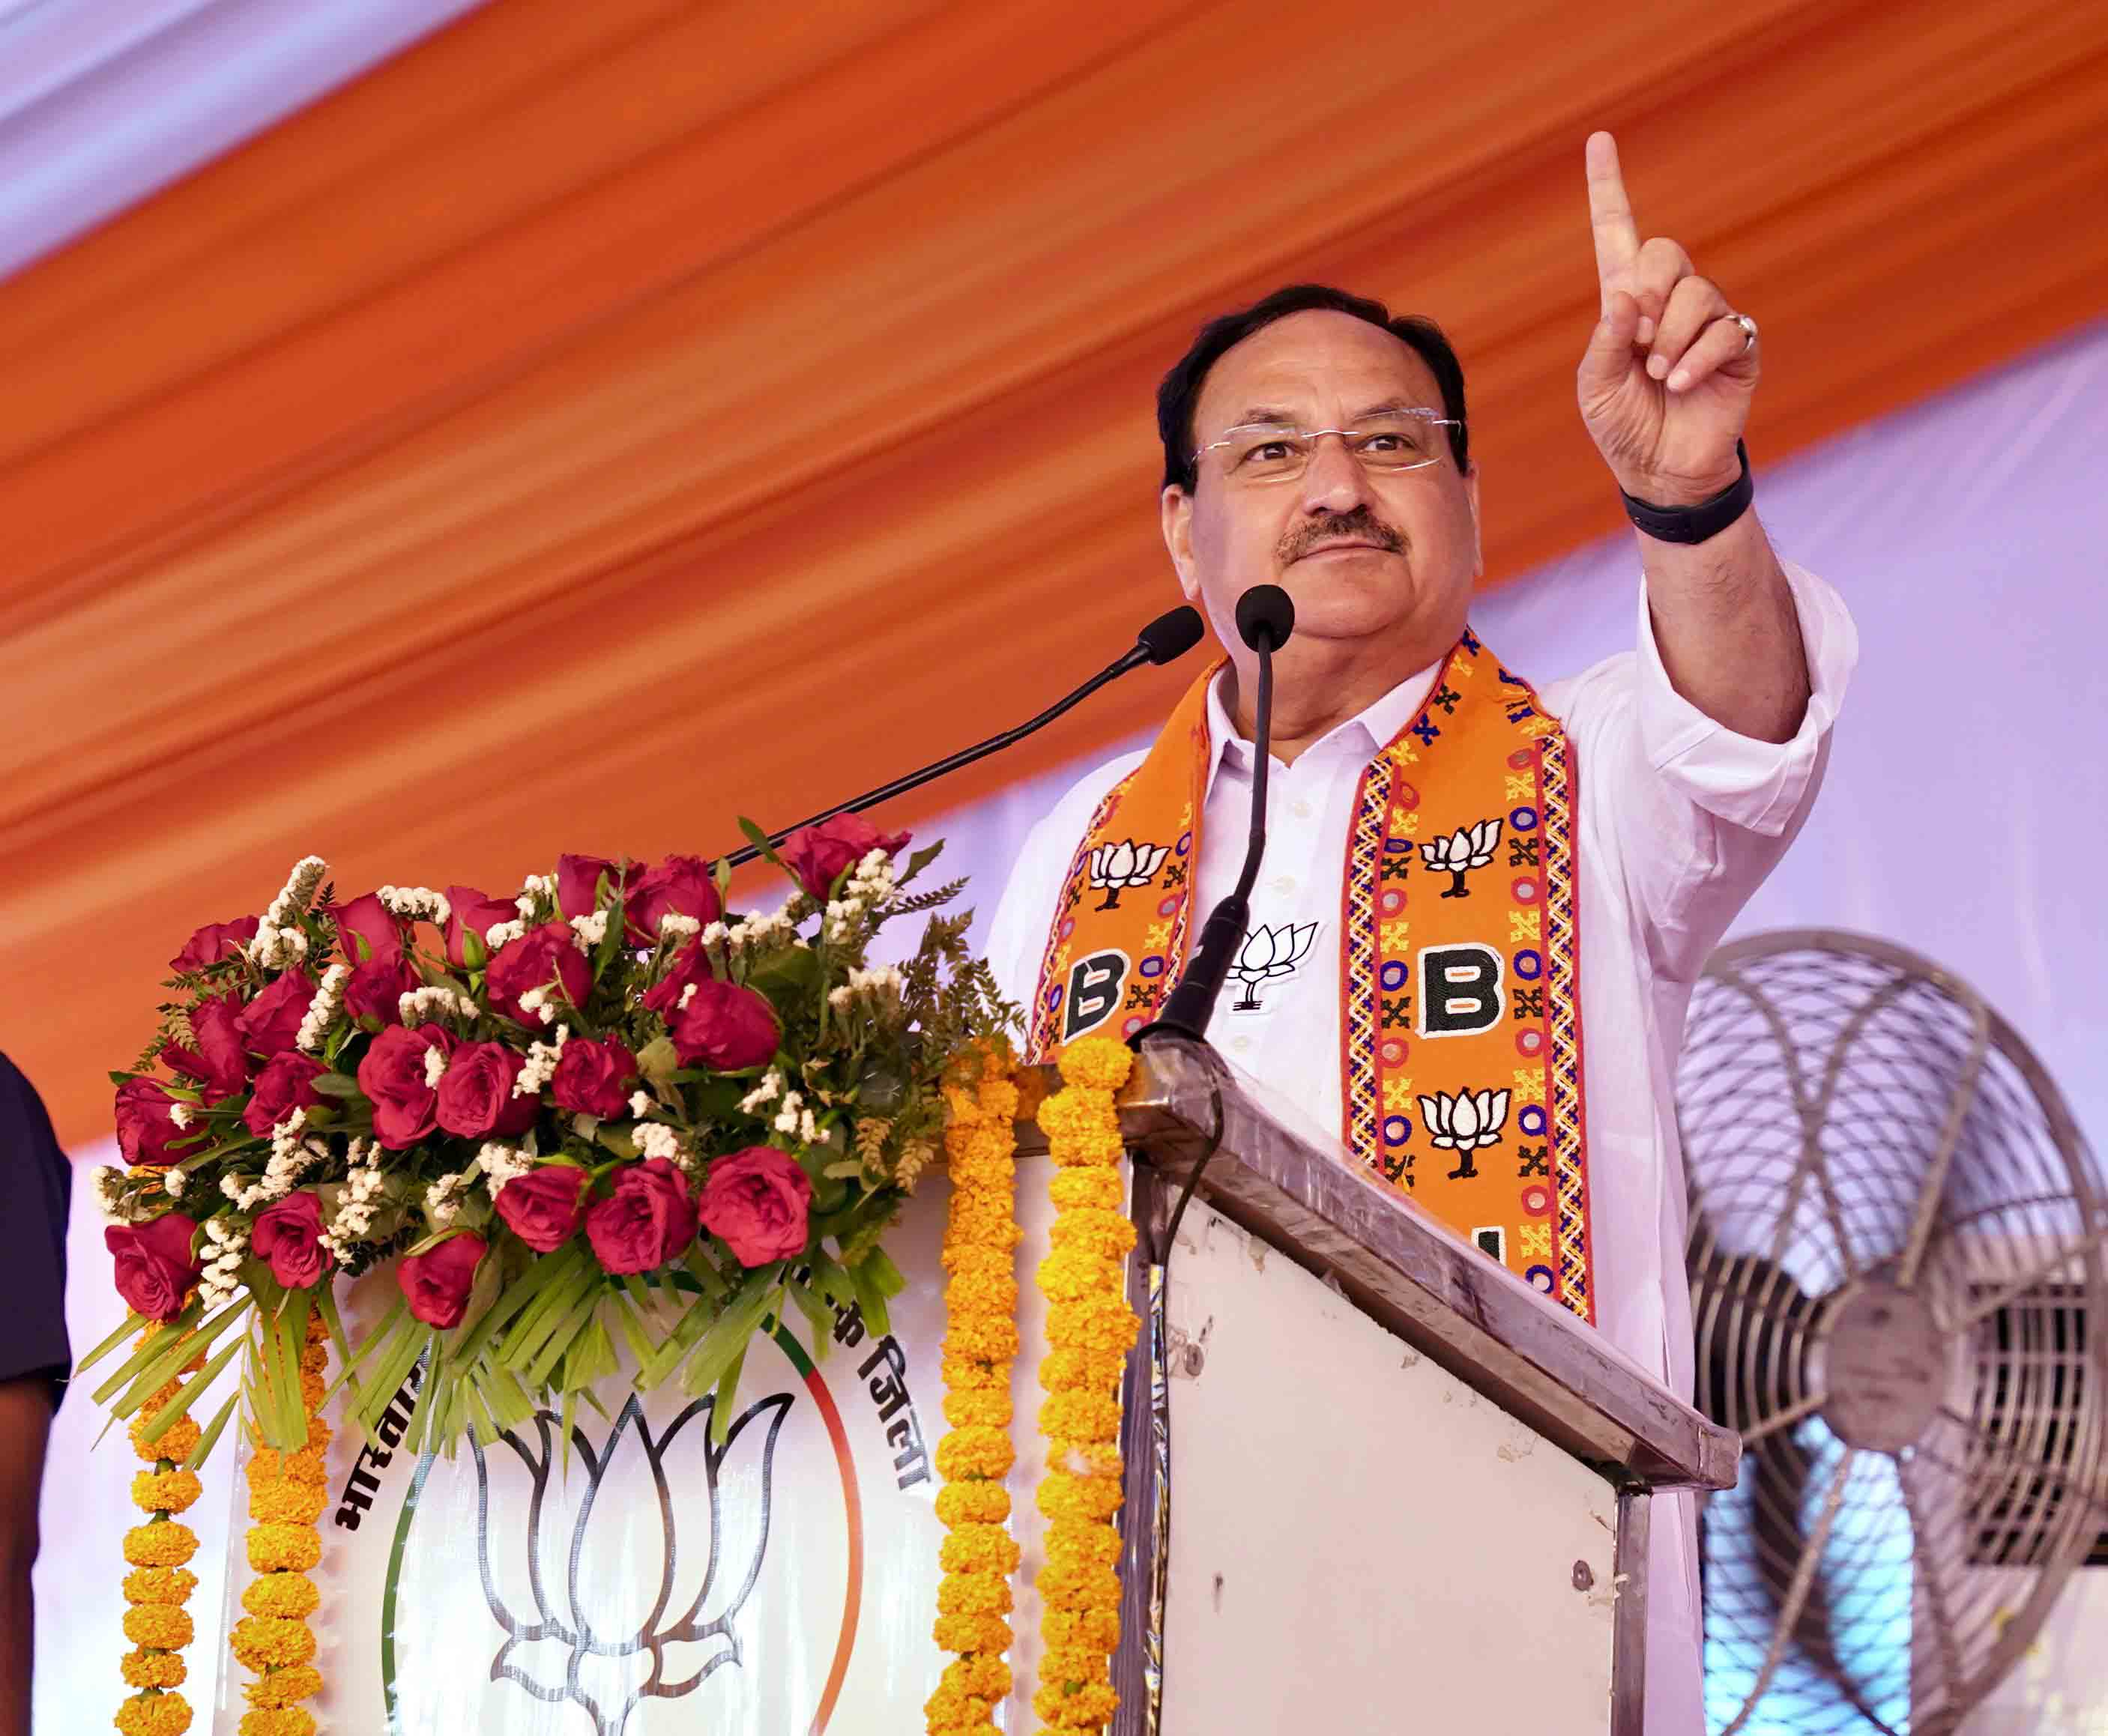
{"x":1665,"y":383}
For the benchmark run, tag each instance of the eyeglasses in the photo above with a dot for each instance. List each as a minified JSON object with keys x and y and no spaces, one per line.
{"x":1278,"y":452}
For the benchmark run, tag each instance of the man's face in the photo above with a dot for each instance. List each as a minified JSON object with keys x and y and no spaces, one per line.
{"x":1385,"y":558}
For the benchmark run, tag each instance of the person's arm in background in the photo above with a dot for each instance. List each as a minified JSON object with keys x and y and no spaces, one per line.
{"x":25,"y":1422}
{"x":35,"y":1359}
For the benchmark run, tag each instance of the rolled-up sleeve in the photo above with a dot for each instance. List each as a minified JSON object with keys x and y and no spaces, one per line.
{"x":1694,"y":815}
{"x":1756,"y":786}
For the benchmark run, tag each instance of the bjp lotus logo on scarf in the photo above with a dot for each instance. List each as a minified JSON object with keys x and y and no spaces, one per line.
{"x":1268,"y":953}
{"x":1123,"y":867}
{"x":1467,"y":848}
{"x":602,"y":1601}
{"x":1462,"y":1122}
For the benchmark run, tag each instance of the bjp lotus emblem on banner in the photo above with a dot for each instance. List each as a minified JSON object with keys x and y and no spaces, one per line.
{"x":662,"y":1624}
{"x":1121,"y":867}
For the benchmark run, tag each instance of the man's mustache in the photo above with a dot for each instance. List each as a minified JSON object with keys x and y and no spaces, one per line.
{"x":1361,"y":525}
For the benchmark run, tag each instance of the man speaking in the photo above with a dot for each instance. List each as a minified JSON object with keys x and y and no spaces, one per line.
{"x":1483,"y":905}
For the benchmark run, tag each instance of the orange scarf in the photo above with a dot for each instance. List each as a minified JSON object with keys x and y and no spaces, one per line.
{"x":1460,"y":1015}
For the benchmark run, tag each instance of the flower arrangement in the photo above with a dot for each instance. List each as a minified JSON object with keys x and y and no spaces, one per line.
{"x":605,"y":1111}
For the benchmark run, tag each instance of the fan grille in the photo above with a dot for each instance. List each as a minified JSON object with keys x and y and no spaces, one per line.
{"x":1896,"y":1237}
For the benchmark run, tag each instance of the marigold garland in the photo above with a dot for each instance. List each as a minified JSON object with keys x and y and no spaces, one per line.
{"x":1092,"y":1328}
{"x":158,"y":1585}
{"x":287,"y":1492}
{"x":980,"y":1340}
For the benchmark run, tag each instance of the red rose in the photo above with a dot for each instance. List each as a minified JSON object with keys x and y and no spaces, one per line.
{"x":218,"y":1064}
{"x":542,"y":1208}
{"x":373,"y":993}
{"x":286,"y":1083}
{"x":818,"y":854}
{"x":146,"y":1127}
{"x":680,"y":886}
{"x":436,"y":1283}
{"x":366,"y":919}
{"x":754,"y":1202}
{"x":549,"y":954}
{"x":724,"y":1026}
{"x":405,"y":1108}
{"x":214,"y":942}
{"x":155,"y":1271}
{"x":594,"y":1078}
{"x":473,"y":912}
{"x":690,"y":964}
{"x":288,"y":1234}
{"x":578,"y":882}
{"x":647,"y":1220}
{"x":270,"y":1023}
{"x":476,"y":1096}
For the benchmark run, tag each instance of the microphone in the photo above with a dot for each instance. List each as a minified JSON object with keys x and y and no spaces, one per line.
{"x":1166,"y":639}
{"x":1266,"y":617}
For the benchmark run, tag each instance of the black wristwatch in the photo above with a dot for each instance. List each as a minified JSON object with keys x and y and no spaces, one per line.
{"x":1708,"y":518}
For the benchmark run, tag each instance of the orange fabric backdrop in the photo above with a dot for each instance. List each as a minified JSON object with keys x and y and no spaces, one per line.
{"x":603,"y":421}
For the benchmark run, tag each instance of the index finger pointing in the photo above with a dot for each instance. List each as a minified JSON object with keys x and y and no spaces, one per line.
{"x":1611,"y":216}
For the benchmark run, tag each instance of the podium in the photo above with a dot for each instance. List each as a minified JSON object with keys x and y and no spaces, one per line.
{"x":1375,"y":1483}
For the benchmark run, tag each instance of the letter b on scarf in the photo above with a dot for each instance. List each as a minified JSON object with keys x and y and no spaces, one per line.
{"x":1094,"y":992}
{"x":1459,"y":989}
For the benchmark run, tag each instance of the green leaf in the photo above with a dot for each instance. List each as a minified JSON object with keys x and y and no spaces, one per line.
{"x":871,"y":1299}
{"x":129,"y":1327}
{"x":919,"y":861}
{"x":658,"y":1060}
{"x":619,"y":1140}
{"x":473,"y":949}
{"x":791,"y":975}
{"x":759,"y":839}
{"x":727,"y":1395}
{"x":336,"y":1085}
{"x":164,"y":1418}
{"x":209,"y":1435}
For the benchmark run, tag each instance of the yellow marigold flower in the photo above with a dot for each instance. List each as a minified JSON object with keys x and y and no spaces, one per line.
{"x":981,"y":1338}
{"x":177,"y":1441}
{"x":1066,"y":1584}
{"x":1093,"y":1629}
{"x":1065,"y":1497}
{"x":973,"y":1594}
{"x":312,"y":1388}
{"x":284,"y":1502}
{"x":963,"y":1373}
{"x":1108,"y":1235}
{"x":283,"y":1687}
{"x":1080,"y":1417}
{"x":1070,"y":1274}
{"x":948,"y":1709}
{"x":993,"y":1295}
{"x":277,"y":1548}
{"x":290,"y":1594}
{"x":166,"y":1545}
{"x":1094,"y":1189}
{"x":1105,"y":1324}
{"x":163,"y":1715}
{"x":160,"y":1585}
{"x":161,"y":1626}
{"x":1096,"y":1063}
{"x":977,"y":1407}
{"x":975,"y":1502}
{"x":314,"y":1358}
{"x":973,"y":1452}
{"x":1064,"y":1369}
{"x":982,"y":1218}
{"x":1087,"y":1459}
{"x":1079,"y":1539}
{"x":968,"y":1631}
{"x":979,"y":1548}
{"x":980,"y":1677}
{"x":144,"y":1669}
{"x":977,"y":1260}
{"x":271,"y":1642}
{"x":305,"y":1466}
{"x":1089,"y":1707}
{"x":283,"y":1721}
{"x":165,"y":1491}
{"x":1073,"y":1665}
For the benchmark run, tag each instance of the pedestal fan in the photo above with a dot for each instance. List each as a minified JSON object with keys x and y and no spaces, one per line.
{"x":1896,"y":1258}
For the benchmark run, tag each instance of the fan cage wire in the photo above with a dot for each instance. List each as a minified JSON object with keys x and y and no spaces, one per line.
{"x":1817,"y":1077}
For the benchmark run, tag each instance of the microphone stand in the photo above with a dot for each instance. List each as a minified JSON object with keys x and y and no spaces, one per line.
{"x":1168,"y":637}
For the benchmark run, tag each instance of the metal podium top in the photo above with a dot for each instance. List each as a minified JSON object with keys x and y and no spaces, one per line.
{"x":1441,"y":1296}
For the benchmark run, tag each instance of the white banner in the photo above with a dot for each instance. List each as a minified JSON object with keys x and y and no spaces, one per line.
{"x":784,"y":1582}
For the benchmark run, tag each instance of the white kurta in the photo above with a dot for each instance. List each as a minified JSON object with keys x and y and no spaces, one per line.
{"x":1680,"y":821}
